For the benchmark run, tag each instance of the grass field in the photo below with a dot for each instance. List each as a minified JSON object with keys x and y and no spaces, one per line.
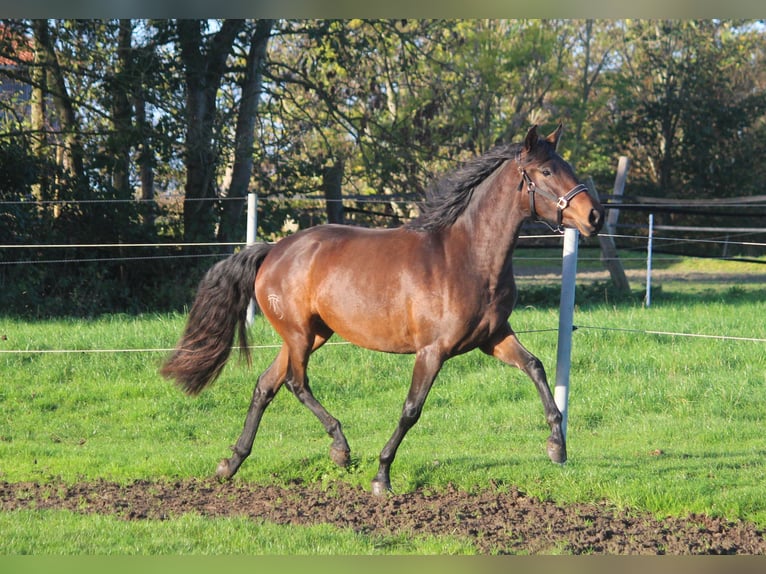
{"x":668,"y":424}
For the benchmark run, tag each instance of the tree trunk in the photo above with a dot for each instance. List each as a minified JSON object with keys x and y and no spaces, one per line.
{"x":332,"y":183}
{"x":145,"y":159}
{"x":121,"y":112}
{"x":144,"y":67}
{"x":231,"y":224}
{"x":73,"y":152}
{"x":41,"y":189}
{"x":204,"y":69}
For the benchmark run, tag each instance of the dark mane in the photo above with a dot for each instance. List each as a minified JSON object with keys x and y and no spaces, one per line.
{"x":447,"y":198}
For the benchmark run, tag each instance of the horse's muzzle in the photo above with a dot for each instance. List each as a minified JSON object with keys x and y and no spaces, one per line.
{"x":596,"y":219}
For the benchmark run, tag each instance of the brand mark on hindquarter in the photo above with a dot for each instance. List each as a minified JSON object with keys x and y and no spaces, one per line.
{"x":275,"y":304}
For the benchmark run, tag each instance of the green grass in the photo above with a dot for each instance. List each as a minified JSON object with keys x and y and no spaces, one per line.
{"x":676,"y":279}
{"x":670,"y":425}
{"x":589,"y":259}
{"x":66,"y":533}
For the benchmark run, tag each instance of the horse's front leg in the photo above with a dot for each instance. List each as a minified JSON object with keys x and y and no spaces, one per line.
{"x":506,"y":347}
{"x":428,"y":362}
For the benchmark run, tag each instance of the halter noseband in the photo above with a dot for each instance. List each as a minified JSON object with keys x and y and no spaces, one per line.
{"x":561,"y":202}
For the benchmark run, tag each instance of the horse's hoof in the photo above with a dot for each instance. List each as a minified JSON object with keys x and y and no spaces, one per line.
{"x":380,"y":488}
{"x":341,"y":457}
{"x":223,"y":471}
{"x":557,"y":452}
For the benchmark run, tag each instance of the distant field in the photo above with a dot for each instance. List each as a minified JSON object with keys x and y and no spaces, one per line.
{"x":668,"y":424}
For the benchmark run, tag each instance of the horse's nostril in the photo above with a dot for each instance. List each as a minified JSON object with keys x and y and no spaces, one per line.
{"x":596,"y":218}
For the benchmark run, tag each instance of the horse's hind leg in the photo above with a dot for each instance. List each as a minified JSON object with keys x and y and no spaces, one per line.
{"x":268,"y":384}
{"x":298,"y":383}
{"x":506,"y":347}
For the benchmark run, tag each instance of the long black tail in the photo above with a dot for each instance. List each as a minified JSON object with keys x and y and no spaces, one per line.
{"x":219,"y":310}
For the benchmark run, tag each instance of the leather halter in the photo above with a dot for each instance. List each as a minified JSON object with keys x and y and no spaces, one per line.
{"x":561,"y":202}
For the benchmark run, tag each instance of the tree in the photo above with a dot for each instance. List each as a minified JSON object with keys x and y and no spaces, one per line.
{"x":593,"y":51}
{"x":394,"y":102}
{"x":120,"y":89}
{"x":55,"y":86}
{"x":205,"y":63}
{"x":251,"y":87}
{"x":687,"y":103}
{"x":337,"y":109}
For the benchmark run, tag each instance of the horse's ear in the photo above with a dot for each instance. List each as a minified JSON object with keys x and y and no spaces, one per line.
{"x":531,"y":140}
{"x":553,"y":137}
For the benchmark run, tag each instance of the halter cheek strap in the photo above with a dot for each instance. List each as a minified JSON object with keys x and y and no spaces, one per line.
{"x":561,"y":202}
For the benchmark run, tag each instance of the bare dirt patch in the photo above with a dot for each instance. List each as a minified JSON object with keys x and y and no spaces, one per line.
{"x":495,"y":520}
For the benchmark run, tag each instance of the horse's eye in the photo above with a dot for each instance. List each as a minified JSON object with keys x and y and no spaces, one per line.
{"x":546,"y":172}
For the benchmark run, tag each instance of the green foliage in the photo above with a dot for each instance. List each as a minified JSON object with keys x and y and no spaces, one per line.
{"x":688,"y":108}
{"x":91,"y":288}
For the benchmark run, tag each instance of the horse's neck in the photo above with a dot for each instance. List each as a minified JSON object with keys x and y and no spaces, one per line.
{"x":491,"y":225}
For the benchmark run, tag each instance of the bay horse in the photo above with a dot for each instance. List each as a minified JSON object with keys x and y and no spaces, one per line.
{"x":438,"y":286}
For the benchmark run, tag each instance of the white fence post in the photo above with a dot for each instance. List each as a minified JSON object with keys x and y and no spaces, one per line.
{"x":566,"y":325}
{"x":649,"y":262}
{"x":252,"y":226}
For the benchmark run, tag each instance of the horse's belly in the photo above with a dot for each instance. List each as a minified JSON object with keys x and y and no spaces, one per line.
{"x":369,"y":325}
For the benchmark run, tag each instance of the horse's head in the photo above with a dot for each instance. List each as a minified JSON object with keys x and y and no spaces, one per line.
{"x":554,"y":193}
